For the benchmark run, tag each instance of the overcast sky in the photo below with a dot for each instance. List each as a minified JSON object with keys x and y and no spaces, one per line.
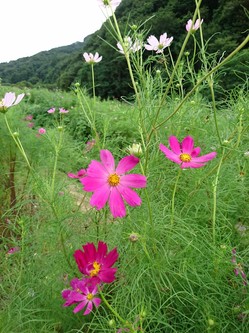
{"x":30,"y":26}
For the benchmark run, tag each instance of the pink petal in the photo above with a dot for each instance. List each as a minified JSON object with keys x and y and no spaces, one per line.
{"x":92,"y":184}
{"x":130,"y":196}
{"x":97,"y":301}
{"x":111,"y":258}
{"x":191,"y":164}
{"x":116,"y":204}
{"x":88,"y":308}
{"x":108,"y":160}
{"x":133,"y":180}
{"x":9,"y":99}
{"x":90,"y":252}
{"x":126,"y":164}
{"x":153,"y":41}
{"x":81,"y":260}
{"x":187,"y":145}
{"x":196,"y":151}
{"x":101,"y":252}
{"x":80,"y":306}
{"x":175,"y":145}
{"x":72,"y":175}
{"x":100,"y":197}
{"x":169,"y":154}
{"x":107,"y":275}
{"x":204,"y":158}
{"x":96,"y":169}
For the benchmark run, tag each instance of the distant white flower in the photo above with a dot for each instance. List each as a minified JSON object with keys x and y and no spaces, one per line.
{"x":193,"y":27}
{"x":92,"y":59}
{"x":158,"y":45}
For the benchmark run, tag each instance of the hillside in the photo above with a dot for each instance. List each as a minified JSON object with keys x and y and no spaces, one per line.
{"x":225,"y":24}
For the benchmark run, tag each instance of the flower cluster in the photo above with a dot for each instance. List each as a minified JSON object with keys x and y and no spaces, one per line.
{"x":61,"y":110}
{"x":96,"y":267}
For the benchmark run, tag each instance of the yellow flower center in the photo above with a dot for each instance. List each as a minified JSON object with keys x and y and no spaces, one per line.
{"x":113,"y":179}
{"x":185,"y":157}
{"x":89,"y":296}
{"x":96,"y":269}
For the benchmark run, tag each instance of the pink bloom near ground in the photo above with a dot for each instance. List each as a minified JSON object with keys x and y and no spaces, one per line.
{"x":111,"y":184}
{"x":185,"y":154}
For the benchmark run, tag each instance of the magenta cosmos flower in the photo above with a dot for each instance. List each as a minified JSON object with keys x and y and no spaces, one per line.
{"x":92,"y":59}
{"x":96,"y":264}
{"x":158,"y":45}
{"x":80,"y":174}
{"x":113,"y":185}
{"x":81,"y":293}
{"x":41,"y":131}
{"x":9,"y":100}
{"x":185,"y":154}
{"x":193,"y":27}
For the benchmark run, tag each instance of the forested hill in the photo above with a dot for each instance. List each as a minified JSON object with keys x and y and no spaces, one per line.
{"x":225,"y":24}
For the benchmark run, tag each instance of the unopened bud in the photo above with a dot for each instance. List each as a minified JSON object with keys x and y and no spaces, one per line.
{"x":133,"y":237}
{"x":16,"y":134}
{"x":211,"y":322}
{"x":112,"y":323}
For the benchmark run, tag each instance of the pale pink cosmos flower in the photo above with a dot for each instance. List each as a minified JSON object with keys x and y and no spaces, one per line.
{"x":80,"y":174}
{"x":62,"y":110}
{"x":30,"y":125}
{"x":111,"y":184}
{"x":193,"y":27}
{"x":129,"y":45}
{"x":109,"y":3}
{"x":158,"y":45}
{"x":10,"y":100}
{"x":185,"y":154}
{"x":81,"y":293}
{"x":92,"y":59}
{"x":52,"y":110}
{"x":41,"y":131}
{"x":96,"y":263}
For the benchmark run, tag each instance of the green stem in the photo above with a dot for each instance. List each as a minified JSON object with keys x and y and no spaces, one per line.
{"x":173,"y":198}
{"x":215,"y":197}
{"x":17,"y":142}
{"x":93,"y":83}
{"x":125,"y":322}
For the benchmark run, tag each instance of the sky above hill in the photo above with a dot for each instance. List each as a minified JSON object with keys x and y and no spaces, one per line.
{"x":31,"y":26}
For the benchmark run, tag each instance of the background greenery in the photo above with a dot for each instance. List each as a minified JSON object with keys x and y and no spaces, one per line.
{"x":225,"y":26}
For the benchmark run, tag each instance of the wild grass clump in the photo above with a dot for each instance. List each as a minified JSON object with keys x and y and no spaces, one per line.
{"x":157,"y":242}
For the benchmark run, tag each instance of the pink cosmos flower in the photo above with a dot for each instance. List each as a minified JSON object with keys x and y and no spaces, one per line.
{"x":52,"y":110}
{"x":81,"y":293}
{"x":193,"y":27}
{"x":30,"y":125}
{"x":79,"y":174}
{"x":9,"y":100}
{"x":92,"y":59}
{"x":14,"y":250}
{"x":90,"y":144}
{"x":29,"y":117}
{"x":61,"y":110}
{"x":158,"y":45}
{"x":113,"y":185}
{"x":109,"y":3}
{"x":96,"y":264}
{"x":41,"y":131}
{"x":185,"y":154}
